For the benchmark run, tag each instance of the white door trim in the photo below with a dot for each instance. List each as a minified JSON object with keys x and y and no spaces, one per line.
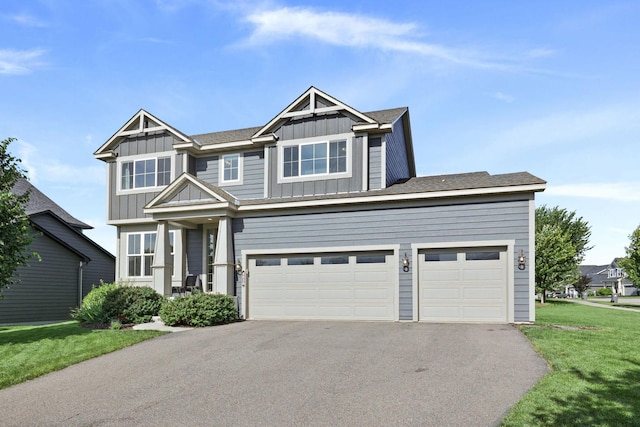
{"x":510,"y":244}
{"x":246,"y":253}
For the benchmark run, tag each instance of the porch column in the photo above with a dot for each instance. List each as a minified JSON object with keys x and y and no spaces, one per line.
{"x":161,"y":260}
{"x":223,"y":259}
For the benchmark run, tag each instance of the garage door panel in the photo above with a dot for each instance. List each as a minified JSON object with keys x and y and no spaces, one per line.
{"x":470,"y":289}
{"x":360,"y":291}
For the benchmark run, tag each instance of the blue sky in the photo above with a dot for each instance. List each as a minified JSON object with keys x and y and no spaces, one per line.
{"x":548,"y":87}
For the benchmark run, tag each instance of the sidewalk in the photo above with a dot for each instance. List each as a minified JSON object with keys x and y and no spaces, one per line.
{"x":595,"y":304}
{"x":158,"y":325}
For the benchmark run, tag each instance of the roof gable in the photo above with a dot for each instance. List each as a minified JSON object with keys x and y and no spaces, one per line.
{"x":187,"y":189}
{"x":313,"y":101}
{"x":141,"y":122}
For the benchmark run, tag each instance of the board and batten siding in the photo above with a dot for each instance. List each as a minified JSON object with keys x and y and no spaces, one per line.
{"x":474,"y":220}
{"x":320,"y":186}
{"x":375,"y":163}
{"x":397,"y":167}
{"x":129,"y":206}
{"x":48,"y":289}
{"x":309,"y":127}
{"x":252,"y":187}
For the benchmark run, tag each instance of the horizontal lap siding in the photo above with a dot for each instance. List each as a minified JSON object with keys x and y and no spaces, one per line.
{"x":48,"y":289}
{"x":403,"y":226}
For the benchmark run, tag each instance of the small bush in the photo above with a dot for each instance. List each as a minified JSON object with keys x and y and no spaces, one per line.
{"x":92,"y":308}
{"x":199,"y":310}
{"x":603,"y":292}
{"x":118,"y":302}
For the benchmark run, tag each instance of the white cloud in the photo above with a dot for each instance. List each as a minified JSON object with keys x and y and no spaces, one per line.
{"x":352,"y":30}
{"x":503,"y":97}
{"x":618,"y":192}
{"x":27,"y":20}
{"x":20,"y":61}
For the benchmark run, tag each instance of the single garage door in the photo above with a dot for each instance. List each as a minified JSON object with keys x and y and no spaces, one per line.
{"x":463,"y":285}
{"x":346,"y":286}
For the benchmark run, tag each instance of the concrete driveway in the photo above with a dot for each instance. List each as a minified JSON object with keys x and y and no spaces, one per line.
{"x":291,"y":374}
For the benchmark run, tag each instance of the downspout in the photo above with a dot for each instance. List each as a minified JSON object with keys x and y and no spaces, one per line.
{"x":80,"y":283}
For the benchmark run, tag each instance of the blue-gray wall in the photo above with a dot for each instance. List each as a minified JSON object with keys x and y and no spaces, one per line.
{"x":488,"y":218}
{"x":397,"y":163}
{"x":375,"y":163}
{"x":252,"y":187}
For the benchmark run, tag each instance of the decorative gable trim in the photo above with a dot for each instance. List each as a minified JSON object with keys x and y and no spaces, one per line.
{"x":217,"y":196}
{"x":311,"y":102}
{"x":142,"y":122}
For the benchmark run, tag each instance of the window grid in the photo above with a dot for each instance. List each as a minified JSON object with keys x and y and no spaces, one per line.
{"x":230,"y":167}
{"x":145,"y":173}
{"x":140,"y":252}
{"x":313,"y":159}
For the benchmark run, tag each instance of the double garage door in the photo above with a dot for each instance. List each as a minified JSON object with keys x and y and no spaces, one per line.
{"x":352,"y":285}
{"x":463,"y":285}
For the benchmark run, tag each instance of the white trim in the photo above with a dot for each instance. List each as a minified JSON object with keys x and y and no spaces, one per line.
{"x":383,"y":162}
{"x":131,"y":221}
{"x":396,"y":197}
{"x":327,"y":139}
{"x":173,"y":187}
{"x":532,"y":260}
{"x":230,"y":182}
{"x":365,"y":161}
{"x":508,"y":243}
{"x":138,"y":157}
{"x":246,"y":253}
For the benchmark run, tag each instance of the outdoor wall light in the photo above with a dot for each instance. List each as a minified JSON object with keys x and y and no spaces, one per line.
{"x":522,"y":261}
{"x":405,"y":263}
{"x":238,"y":267}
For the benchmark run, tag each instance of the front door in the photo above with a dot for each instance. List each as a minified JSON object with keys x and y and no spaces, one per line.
{"x":210,"y":250}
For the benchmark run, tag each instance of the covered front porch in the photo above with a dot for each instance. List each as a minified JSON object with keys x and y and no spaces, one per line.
{"x":193,"y":236}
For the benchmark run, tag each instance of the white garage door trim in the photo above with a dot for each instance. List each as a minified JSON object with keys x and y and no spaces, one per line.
{"x":509,"y":244}
{"x":395,"y":249}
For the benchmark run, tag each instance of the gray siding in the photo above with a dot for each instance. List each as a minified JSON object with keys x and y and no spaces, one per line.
{"x":318,"y":187}
{"x":194,"y":251}
{"x":375,"y":163}
{"x":397,"y":167}
{"x":252,"y":187}
{"x":42,"y":295}
{"x":101,"y":267}
{"x":486,"y":219}
{"x":129,"y":206}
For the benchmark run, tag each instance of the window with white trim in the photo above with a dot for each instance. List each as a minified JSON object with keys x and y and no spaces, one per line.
{"x":140,"y":252}
{"x":318,"y":158}
{"x":231,"y":169}
{"x":144,"y":173}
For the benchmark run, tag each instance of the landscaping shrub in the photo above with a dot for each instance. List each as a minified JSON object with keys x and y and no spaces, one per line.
{"x":118,"y":302}
{"x":199,"y":310}
{"x":603,"y":292}
{"x":92,"y":308}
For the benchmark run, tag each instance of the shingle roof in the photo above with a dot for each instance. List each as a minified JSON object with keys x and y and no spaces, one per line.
{"x":425,"y":184}
{"x":381,"y":116}
{"x":39,"y":202}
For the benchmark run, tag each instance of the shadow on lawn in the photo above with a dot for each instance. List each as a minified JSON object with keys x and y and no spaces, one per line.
{"x":30,"y":335}
{"x":606,"y":401}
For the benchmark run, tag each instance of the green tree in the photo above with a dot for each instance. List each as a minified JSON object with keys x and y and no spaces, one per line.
{"x":631,"y":263}
{"x":555,"y":259}
{"x":15,"y":231}
{"x":582,"y":284}
{"x":576,"y":229}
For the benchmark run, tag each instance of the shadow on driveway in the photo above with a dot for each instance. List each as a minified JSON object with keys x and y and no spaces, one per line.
{"x":291,"y":373}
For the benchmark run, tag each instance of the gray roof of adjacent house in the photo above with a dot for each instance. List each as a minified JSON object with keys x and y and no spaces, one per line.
{"x":426,"y":184}
{"x":39,"y":202}
{"x":380,"y":116}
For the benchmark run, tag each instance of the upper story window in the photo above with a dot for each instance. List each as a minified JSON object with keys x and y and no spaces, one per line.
{"x":145,"y":173}
{"x":316,"y":158}
{"x":231,"y":169}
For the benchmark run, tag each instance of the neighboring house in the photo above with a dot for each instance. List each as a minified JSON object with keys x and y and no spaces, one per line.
{"x":318,"y":214}
{"x":609,"y":276}
{"x":70,"y":264}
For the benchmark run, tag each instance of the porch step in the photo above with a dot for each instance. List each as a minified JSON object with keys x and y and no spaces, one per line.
{"x":156,"y":319}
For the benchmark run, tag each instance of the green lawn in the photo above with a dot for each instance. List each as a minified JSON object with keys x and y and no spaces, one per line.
{"x":27,"y":352}
{"x":594,"y":355}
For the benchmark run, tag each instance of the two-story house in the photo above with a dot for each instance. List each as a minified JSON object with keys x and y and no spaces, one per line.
{"x":318,"y":214}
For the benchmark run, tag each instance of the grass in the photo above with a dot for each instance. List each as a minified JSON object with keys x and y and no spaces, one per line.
{"x":595,"y":368}
{"x":26,"y":352}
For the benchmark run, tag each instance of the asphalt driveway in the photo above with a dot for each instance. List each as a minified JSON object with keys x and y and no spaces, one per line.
{"x":291,"y":374}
